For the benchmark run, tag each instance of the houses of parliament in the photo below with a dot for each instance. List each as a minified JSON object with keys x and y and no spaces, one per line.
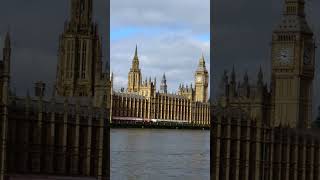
{"x":143,"y":100}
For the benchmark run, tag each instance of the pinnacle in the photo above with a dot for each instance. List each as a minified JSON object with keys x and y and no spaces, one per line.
{"x":136,"y":52}
{"x":7,"y":40}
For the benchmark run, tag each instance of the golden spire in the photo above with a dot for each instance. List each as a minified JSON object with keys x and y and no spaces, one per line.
{"x":136,"y":52}
{"x":202,"y":64}
{"x":135,"y":62}
{"x":7,"y":40}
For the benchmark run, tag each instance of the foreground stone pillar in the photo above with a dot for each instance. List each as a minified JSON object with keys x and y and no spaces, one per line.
{"x":247,"y":149}
{"x":100,"y":146}
{"x":215,"y":147}
{"x":228,"y":148}
{"x":238,"y":128}
{"x":75,"y":142}
{"x":3,"y":136}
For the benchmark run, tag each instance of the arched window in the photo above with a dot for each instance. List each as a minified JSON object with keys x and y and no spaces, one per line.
{"x":84,"y":60}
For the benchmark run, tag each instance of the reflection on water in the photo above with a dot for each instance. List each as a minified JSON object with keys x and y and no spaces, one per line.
{"x":145,"y":154}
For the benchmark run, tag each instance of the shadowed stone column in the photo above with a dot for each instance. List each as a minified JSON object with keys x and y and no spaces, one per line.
{"x":215,"y":147}
{"x":296,"y":155}
{"x":36,"y":146}
{"x":3,"y":136}
{"x":311,"y":158}
{"x":247,"y":149}
{"x":303,"y":158}
{"x":258,"y":157}
{"x":238,"y":137}
{"x":317,"y":160}
{"x":100,"y":144}
{"x":62,"y":146}
{"x":49,"y":157}
{"x":272,"y":146}
{"x":87,"y":143}
{"x":228,"y":149}
{"x":288,"y":160}
{"x":75,"y":142}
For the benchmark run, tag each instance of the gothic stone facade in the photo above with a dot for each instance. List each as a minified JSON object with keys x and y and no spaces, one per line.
{"x":79,"y":70}
{"x":142,"y":100}
{"x":246,"y":148}
{"x":52,"y":138}
{"x":57,"y":136}
{"x":260,"y":133}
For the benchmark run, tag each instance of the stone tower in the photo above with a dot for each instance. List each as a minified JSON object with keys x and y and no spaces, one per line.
{"x":201,"y":79}
{"x":293,"y":55}
{"x":5,"y":69}
{"x":79,"y":70}
{"x":134,"y":76}
{"x":163,"y":85}
{"x":4,"y":94}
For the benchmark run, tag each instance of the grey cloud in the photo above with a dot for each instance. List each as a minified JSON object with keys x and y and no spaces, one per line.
{"x":193,"y":14}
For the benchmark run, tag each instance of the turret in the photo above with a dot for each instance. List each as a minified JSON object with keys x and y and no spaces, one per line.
{"x":224,"y":84}
{"x":135,"y":61}
{"x":201,"y":81}
{"x":7,"y":54}
{"x":246,"y":85}
{"x":163,"y":85}
{"x":233,"y":84}
{"x":39,"y":89}
{"x":260,"y":78}
{"x":81,"y":12}
{"x":134,"y":76}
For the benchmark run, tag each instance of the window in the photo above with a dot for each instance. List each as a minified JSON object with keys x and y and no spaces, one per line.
{"x":84,"y":60}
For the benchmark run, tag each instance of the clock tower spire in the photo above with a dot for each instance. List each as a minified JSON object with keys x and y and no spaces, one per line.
{"x":201,"y":77}
{"x":293,"y":57}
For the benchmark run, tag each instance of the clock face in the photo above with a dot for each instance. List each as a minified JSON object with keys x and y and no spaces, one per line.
{"x":199,"y":78}
{"x":285,"y":56}
{"x":307,"y":56}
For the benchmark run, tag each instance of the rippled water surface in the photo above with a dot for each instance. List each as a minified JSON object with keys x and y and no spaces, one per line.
{"x":149,"y":154}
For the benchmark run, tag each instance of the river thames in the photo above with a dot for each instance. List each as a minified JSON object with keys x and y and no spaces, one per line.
{"x":156,"y":154}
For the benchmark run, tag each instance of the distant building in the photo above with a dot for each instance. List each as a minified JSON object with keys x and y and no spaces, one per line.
{"x":263,"y":134}
{"x":142,"y":100}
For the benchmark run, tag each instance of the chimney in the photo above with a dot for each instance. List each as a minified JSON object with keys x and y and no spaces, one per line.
{"x":39,"y":88}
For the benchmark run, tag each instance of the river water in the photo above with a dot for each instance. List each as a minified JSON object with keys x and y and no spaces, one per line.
{"x":153,"y":154}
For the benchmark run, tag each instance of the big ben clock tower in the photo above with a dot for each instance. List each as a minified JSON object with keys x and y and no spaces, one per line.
{"x":201,"y":77}
{"x":293,"y":58}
